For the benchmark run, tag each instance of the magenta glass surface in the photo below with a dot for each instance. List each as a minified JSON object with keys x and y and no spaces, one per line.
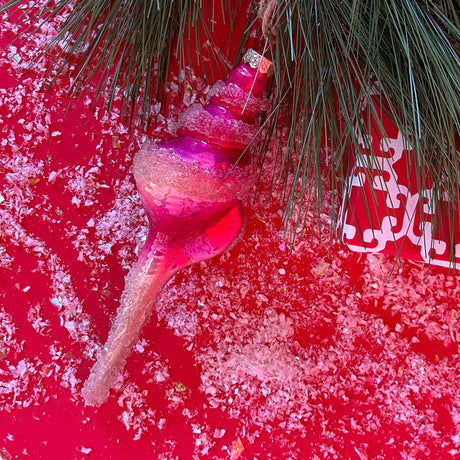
{"x":192,"y":193}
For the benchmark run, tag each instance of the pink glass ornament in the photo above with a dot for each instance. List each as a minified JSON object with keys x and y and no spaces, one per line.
{"x":192,"y":193}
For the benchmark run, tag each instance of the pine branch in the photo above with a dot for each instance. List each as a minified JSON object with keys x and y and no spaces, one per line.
{"x":326,"y":55}
{"x":132,"y":48}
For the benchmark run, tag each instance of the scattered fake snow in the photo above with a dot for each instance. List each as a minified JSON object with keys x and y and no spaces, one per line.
{"x":332,"y":356}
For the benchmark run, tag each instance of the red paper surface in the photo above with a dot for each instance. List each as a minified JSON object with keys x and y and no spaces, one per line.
{"x":386,"y":210}
{"x":260,"y":353}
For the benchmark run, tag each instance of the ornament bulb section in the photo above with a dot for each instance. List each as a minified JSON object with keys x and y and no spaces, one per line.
{"x":193,"y":195}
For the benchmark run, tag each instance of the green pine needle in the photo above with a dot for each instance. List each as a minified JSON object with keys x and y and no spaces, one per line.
{"x":326,"y":55}
{"x":128,"y":47}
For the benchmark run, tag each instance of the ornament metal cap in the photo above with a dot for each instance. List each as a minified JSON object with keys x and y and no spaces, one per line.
{"x":257,"y":61}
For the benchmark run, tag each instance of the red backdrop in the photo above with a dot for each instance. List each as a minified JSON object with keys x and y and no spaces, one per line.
{"x":260,"y":353}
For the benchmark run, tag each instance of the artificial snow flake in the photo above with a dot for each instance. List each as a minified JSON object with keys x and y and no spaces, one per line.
{"x":281,"y":343}
{"x":4,"y":454}
{"x":237,"y":449}
{"x":179,"y":387}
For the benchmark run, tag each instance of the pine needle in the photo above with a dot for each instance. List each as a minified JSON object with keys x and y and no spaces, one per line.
{"x":133,"y":48}
{"x":326,"y":56}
